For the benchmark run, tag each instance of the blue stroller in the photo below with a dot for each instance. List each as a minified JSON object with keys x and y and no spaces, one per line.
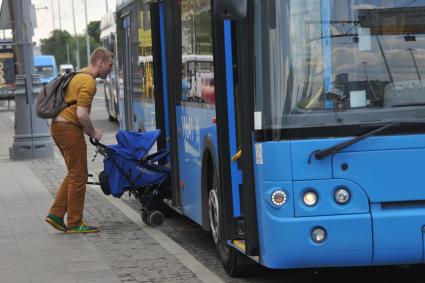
{"x":129,"y":168}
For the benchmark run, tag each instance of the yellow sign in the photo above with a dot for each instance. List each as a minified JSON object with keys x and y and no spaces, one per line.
{"x":145,"y":36}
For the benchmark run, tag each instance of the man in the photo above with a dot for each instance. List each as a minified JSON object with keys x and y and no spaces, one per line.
{"x":67,"y":131}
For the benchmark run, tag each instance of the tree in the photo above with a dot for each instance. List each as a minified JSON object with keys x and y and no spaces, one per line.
{"x":56,"y":45}
{"x":94,"y":32}
{"x":83,"y":49}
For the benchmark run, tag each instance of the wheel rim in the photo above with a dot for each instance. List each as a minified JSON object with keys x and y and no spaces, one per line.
{"x":156,"y":218}
{"x":213,"y":211}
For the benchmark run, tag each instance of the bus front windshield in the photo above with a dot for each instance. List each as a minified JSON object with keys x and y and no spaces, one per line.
{"x":338,"y":62}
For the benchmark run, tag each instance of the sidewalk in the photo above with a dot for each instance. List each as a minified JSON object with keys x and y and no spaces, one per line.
{"x":32,"y":251}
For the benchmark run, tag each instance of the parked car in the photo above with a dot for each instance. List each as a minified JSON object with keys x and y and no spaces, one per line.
{"x":45,"y":66}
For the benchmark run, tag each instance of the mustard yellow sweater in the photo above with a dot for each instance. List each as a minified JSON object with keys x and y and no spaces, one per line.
{"x":82,"y":89}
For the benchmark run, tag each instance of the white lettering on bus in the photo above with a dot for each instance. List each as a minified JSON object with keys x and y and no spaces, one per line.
{"x":191,"y":129}
{"x":187,"y":125}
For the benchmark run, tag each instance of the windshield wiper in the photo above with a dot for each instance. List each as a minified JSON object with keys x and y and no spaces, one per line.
{"x":322,"y":153}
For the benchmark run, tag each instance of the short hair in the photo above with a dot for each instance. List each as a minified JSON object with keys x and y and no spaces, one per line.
{"x":102,"y":54}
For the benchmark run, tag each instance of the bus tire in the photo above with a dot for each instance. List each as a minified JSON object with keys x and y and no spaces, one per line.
{"x":231,"y":259}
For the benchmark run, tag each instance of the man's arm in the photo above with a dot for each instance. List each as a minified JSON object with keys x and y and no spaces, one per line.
{"x":83,"y":114}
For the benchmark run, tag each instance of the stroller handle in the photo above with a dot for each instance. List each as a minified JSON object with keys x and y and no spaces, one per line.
{"x":97,"y":143}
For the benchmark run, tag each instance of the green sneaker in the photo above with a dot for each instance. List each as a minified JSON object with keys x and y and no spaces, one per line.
{"x":83,"y":228}
{"x":56,"y":222}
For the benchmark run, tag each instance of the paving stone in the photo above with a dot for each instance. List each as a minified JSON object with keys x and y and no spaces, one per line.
{"x":131,"y":253}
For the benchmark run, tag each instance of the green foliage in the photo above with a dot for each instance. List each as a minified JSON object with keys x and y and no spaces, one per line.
{"x":56,"y":45}
{"x":94,"y":31}
{"x":83,"y":49}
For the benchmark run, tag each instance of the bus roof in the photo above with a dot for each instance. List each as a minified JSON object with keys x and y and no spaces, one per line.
{"x":122,"y":3}
{"x":107,"y":25}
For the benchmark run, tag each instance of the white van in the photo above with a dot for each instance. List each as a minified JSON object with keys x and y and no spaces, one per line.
{"x":66,"y":68}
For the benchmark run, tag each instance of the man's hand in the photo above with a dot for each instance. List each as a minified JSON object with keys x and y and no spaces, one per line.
{"x":96,"y":134}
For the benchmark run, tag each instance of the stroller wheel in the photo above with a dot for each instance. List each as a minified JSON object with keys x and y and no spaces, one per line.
{"x":104,"y":185}
{"x":145,"y":216}
{"x":156,"y":218}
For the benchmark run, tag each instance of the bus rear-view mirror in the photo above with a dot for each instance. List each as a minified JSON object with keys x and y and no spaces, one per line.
{"x":230,"y":9}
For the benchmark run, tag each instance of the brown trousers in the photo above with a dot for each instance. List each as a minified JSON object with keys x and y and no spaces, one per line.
{"x":69,"y":199}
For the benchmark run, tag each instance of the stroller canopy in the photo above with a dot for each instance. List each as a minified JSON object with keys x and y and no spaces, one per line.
{"x":123,"y":164}
{"x":134,"y":145}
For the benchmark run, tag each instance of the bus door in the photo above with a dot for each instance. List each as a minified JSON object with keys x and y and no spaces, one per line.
{"x":137,"y":68}
{"x":143,"y":88}
{"x":171,"y":81}
{"x":126,"y":112}
{"x":235,"y":125}
{"x":156,"y":12}
{"x":195,"y":107}
{"x":192,"y":116}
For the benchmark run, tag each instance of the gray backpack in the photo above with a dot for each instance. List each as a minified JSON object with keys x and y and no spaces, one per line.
{"x":51,"y":97}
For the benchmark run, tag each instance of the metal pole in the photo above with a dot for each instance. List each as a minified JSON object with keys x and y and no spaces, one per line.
{"x":22,"y":34}
{"x":67,"y":53}
{"x":60,"y":19}
{"x":76,"y":38}
{"x":87,"y":34}
{"x":106,"y":5}
{"x":32,"y":137}
{"x":53,"y":14}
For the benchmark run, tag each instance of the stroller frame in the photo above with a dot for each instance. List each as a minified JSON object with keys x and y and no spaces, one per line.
{"x":150,"y":196}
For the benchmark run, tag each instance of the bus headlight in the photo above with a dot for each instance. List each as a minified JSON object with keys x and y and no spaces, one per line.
{"x":342,"y":196}
{"x":278,"y":198}
{"x":318,"y":235}
{"x":310,"y":198}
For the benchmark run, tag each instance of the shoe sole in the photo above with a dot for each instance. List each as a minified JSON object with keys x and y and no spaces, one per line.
{"x":55,"y":225}
{"x":82,"y":232}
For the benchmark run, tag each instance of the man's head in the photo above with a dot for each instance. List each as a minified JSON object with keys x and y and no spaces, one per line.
{"x":101,"y":61}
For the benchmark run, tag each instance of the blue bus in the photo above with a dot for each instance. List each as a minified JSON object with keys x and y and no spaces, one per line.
{"x":296,"y":128}
{"x":108,"y":40}
{"x":45,"y":66}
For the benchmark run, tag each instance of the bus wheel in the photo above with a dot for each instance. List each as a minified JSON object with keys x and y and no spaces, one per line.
{"x":213,"y":210}
{"x":234,"y":262}
{"x":230,"y":258}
